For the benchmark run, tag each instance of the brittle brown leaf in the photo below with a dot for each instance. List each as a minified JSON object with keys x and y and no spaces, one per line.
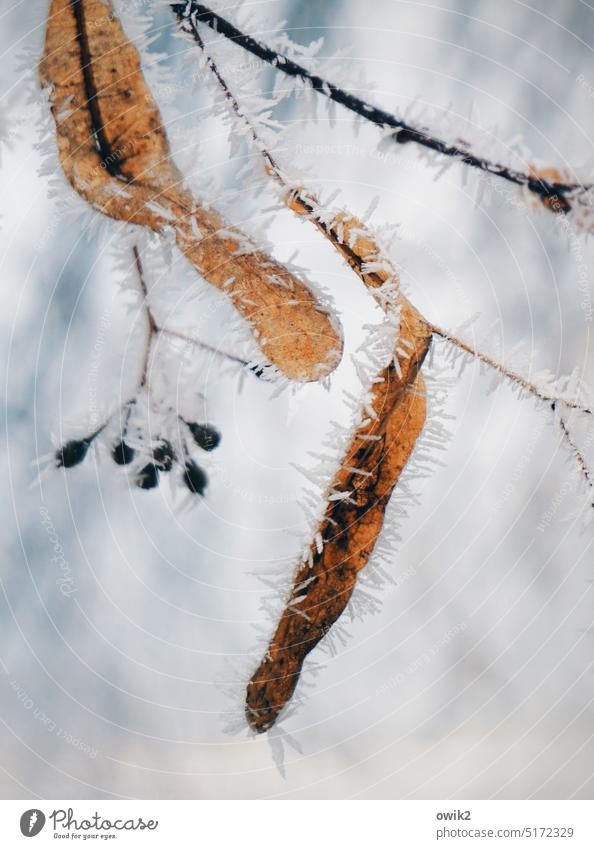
{"x":114,"y":151}
{"x":352,"y":522}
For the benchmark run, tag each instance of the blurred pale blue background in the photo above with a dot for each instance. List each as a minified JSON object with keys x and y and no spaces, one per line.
{"x":475,"y":679}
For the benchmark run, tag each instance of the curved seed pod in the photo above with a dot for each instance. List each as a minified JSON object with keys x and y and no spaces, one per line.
{"x":114,"y":152}
{"x":354,"y":516}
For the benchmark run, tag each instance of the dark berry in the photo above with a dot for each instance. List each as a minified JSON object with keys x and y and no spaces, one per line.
{"x":206,"y":436}
{"x":72,"y":453}
{"x":122,"y":453}
{"x":163,"y":456}
{"x":195,"y":478}
{"x":148,"y":477}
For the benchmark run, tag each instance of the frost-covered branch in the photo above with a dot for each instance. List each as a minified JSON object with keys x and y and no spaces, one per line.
{"x":556,"y":195}
{"x":578,"y":455}
{"x":555,"y":400}
{"x":509,"y":374}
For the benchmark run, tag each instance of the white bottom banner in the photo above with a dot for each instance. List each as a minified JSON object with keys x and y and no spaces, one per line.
{"x":299,"y":824}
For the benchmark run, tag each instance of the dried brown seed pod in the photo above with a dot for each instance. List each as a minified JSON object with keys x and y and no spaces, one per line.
{"x":114,"y":152}
{"x":352,"y":522}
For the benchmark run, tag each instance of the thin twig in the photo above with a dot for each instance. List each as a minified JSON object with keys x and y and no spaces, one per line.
{"x":205,"y":346}
{"x":152,"y":327}
{"x":554,"y":194}
{"x":155,"y":328}
{"x":309,"y":205}
{"x":194,"y":31}
{"x":578,"y":455}
{"x":525,"y":384}
{"x":127,"y":405}
{"x":533,"y":390}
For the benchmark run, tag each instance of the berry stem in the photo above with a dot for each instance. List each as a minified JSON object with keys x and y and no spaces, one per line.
{"x":154,"y":328}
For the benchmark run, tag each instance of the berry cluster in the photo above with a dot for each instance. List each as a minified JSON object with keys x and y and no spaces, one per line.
{"x":161,"y":457}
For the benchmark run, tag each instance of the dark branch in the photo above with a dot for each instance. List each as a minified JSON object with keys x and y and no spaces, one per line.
{"x":555,"y":195}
